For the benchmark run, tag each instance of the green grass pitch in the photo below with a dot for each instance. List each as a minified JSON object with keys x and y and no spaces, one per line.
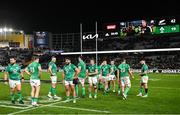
{"x":164,"y":98}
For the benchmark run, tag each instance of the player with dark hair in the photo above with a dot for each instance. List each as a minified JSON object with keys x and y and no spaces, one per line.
{"x":105,"y":72}
{"x":52,"y":69}
{"x":81,"y":76}
{"x":92,"y":72}
{"x":113,"y":69}
{"x":99,"y":76}
{"x":70,"y":74}
{"x":34,"y":71}
{"x":144,"y":79}
{"x":14,"y":75}
{"x":123,"y":78}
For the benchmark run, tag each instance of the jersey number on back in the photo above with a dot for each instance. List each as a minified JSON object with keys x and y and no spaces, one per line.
{"x":122,"y":70}
{"x":32,"y":69}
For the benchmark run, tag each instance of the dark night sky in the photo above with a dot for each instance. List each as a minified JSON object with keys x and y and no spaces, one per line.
{"x":65,"y":16}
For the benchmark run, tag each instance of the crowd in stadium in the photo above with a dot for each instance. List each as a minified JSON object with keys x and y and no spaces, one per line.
{"x":165,"y":60}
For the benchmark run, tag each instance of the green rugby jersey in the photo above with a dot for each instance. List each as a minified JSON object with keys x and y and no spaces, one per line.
{"x":33,"y":68}
{"x":14,"y":71}
{"x":144,"y":68}
{"x":82,"y":65}
{"x":113,"y":68}
{"x":92,"y":69}
{"x":53,"y":68}
{"x":105,"y":69}
{"x":69,"y":71}
{"x":124,"y":69}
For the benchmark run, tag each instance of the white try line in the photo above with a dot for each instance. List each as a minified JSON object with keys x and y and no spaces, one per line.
{"x":33,"y":108}
{"x":122,"y":51}
{"x":83,"y":109}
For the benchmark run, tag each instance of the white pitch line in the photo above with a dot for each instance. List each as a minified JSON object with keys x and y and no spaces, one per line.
{"x":46,"y":101}
{"x":15,"y":107}
{"x":9,"y":105}
{"x":38,"y":107}
{"x":122,"y":51}
{"x":83,"y":109}
{"x":150,"y":79}
{"x":5,"y":102}
{"x":21,"y":106}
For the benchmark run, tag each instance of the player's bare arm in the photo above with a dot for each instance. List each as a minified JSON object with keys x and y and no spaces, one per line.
{"x":76,"y":73}
{"x":49,"y":70}
{"x":27,"y":72}
{"x":40,"y":71}
{"x":22,"y":76}
{"x":130,"y":73}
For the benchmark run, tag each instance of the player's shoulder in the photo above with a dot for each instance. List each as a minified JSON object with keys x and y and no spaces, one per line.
{"x":114,"y":66}
{"x":39,"y":64}
{"x":72,"y":65}
{"x":9,"y":65}
{"x":17,"y":65}
{"x":36,"y":63}
{"x":82,"y":62}
{"x":120,"y":65}
{"x":50,"y":62}
{"x":64,"y":66}
{"x":146,"y":66}
{"x":127,"y":64}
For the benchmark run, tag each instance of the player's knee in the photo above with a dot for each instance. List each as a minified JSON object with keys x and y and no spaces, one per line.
{"x":95,"y":87}
{"x":72,"y":89}
{"x":90,"y":85}
{"x":67,"y":88}
{"x":53,"y":86}
{"x":94,"y":84}
{"x":129,"y":86}
{"x":145,"y":86}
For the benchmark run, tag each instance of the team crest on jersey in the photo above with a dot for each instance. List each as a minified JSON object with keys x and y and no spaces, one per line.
{"x":67,"y":68}
{"x":14,"y":70}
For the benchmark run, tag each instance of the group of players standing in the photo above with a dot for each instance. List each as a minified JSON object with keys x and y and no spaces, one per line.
{"x":99,"y":77}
